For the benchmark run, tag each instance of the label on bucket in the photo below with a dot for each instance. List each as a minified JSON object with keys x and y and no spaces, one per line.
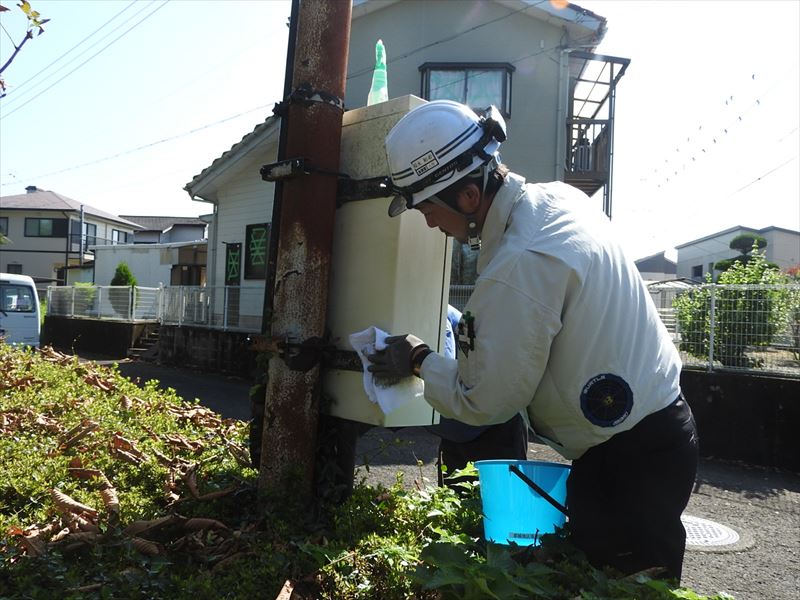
{"x":523,"y":536}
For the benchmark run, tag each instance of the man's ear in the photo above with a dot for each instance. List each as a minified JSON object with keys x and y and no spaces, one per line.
{"x":469,"y":199}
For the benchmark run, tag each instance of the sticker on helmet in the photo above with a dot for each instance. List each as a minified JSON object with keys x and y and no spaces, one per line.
{"x":424,"y":163}
{"x":606,"y":400}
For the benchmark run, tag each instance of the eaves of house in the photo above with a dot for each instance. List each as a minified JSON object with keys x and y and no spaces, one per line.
{"x":579,"y":22}
{"x":204,"y":185}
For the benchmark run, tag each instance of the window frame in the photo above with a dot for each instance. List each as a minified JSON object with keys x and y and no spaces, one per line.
{"x":53,"y":232}
{"x":115,"y":237}
{"x":4,"y":226}
{"x":249,"y":271}
{"x":425,"y":70}
{"x":14,"y":268}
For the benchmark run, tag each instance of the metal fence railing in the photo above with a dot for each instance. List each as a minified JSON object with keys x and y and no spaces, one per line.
{"x":223,"y":307}
{"x":123,"y":303}
{"x":229,"y":308}
{"x":743,"y":327}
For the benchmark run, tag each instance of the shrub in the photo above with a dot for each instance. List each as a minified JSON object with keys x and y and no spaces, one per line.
{"x":745,"y":315}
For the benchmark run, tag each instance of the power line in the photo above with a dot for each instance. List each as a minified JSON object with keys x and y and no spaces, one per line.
{"x":770,"y":172}
{"x":90,"y":58}
{"x":143,"y":147}
{"x":63,"y":56}
{"x":587,"y":38}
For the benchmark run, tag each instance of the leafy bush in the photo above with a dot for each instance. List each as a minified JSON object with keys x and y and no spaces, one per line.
{"x":114,"y":491}
{"x":744,"y":316}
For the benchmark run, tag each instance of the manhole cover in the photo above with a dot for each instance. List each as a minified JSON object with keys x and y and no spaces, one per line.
{"x":701,"y":532}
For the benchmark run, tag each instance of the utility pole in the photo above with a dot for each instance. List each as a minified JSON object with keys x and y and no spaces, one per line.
{"x":303,"y":221}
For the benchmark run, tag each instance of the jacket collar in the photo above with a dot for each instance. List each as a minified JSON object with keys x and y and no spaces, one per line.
{"x":498,"y":217}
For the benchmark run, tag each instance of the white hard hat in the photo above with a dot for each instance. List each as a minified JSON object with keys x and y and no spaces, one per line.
{"x":435,"y":145}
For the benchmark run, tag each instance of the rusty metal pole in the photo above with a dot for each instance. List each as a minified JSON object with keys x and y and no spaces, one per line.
{"x":308,"y":205}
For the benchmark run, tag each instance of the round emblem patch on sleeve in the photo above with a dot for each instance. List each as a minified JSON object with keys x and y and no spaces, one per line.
{"x":606,"y":400}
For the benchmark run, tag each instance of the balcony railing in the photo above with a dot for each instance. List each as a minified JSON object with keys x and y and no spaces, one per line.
{"x":588,"y":163}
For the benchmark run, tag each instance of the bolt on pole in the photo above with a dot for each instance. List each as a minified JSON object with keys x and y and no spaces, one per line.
{"x":305,"y":230}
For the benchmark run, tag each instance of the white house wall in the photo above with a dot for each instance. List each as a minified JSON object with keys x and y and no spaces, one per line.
{"x":244,"y":200}
{"x":410,"y":25}
{"x":783,"y":248}
{"x":150,"y":265}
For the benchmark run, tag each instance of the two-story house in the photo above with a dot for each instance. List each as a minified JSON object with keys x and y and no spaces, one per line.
{"x":48,"y":232}
{"x":532,"y":60}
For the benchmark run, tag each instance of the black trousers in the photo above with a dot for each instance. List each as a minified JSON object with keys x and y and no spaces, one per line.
{"x":626,"y":496}
{"x":507,"y":440}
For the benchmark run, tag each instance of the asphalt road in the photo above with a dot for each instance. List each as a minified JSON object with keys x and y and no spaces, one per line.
{"x":762,"y":506}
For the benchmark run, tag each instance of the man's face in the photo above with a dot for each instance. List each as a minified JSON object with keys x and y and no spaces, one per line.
{"x":447,"y":220}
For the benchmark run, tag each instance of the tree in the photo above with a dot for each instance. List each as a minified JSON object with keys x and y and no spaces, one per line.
{"x":744,"y":243}
{"x":123,"y":300}
{"x":748,"y":310}
{"x":34,"y":22}
{"x":123,"y":275}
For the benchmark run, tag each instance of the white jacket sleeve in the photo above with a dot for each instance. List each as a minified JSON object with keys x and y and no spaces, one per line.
{"x":514,"y":328}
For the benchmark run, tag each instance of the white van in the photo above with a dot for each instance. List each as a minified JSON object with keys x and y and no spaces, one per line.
{"x":19,"y":310}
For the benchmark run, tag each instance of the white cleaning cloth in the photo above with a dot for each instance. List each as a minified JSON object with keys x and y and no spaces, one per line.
{"x":388,"y":398}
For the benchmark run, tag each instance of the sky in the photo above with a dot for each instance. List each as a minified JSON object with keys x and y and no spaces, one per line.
{"x":120,"y":104}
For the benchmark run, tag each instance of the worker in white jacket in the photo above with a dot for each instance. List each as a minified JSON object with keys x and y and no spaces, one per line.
{"x":559,"y":325}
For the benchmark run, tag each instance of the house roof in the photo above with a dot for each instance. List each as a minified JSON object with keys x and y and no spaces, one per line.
{"x":737,"y":228}
{"x":162,"y":223}
{"x":47,"y":200}
{"x":199,"y":188}
{"x":579,"y":21}
{"x":656,"y":263}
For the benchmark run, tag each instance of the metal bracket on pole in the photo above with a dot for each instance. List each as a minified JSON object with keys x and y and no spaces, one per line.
{"x":351,"y":190}
{"x":306,"y":96}
{"x":302,"y":356}
{"x":293,"y":167}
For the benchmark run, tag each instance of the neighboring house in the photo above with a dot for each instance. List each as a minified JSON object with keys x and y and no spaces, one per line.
{"x":164,"y":230}
{"x":153,"y":265}
{"x":48,"y":232}
{"x":698,"y":257}
{"x":531,"y":60}
{"x":656,"y":267}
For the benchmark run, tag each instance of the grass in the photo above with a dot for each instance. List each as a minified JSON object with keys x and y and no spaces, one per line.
{"x":113,"y":491}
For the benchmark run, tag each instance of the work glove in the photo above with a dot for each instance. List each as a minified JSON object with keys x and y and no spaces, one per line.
{"x":394,"y":362}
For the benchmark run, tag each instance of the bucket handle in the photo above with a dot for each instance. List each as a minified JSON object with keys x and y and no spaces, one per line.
{"x":515,"y":470}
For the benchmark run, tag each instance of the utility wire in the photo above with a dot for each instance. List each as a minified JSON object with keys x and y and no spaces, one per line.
{"x":144,"y":146}
{"x":409,"y":53}
{"x":63,"y":56}
{"x":90,"y":58}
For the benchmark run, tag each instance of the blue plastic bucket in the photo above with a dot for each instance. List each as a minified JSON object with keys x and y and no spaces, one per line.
{"x":513,"y":512}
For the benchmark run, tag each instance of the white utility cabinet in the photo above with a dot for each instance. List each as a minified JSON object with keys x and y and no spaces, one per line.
{"x":393,"y":273}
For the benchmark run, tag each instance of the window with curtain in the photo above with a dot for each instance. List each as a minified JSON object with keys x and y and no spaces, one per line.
{"x":477,"y":85}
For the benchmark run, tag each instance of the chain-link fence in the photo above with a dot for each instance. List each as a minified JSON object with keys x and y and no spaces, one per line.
{"x":743,"y":327}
